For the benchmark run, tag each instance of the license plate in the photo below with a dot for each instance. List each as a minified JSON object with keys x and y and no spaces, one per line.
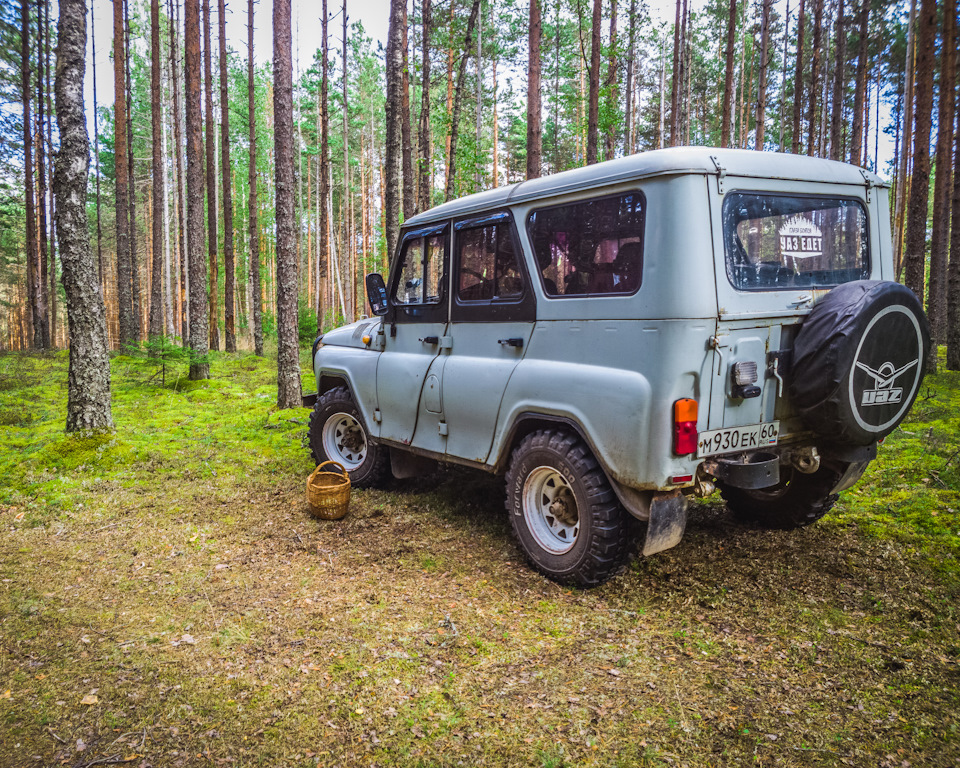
{"x":733,"y":439}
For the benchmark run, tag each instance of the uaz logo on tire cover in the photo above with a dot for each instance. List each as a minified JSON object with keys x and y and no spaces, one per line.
{"x":883,"y":378}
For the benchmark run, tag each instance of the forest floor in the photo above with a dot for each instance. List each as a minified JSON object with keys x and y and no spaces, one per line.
{"x":166,"y":600}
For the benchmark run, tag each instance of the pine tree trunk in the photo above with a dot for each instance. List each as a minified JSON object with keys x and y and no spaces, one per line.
{"x":135,"y":293}
{"x":942,"y":186}
{"x":156,"y":295}
{"x":323,"y":192}
{"x":48,"y":90}
{"x":798,"y":82}
{"x":728,"y":78}
{"x":915,"y":244}
{"x":229,"y":266}
{"x":839,"y":80}
{"x":783,"y":74}
{"x":199,"y":317}
{"x":611,"y":83}
{"x":953,"y":287}
{"x":88,"y":381}
{"x":424,"y":141}
{"x":534,"y":128}
{"x":409,"y":190}
{"x":211,"y":156}
{"x":96,"y":155}
{"x":37,"y":311}
{"x":127,"y":321}
{"x":903,"y":186}
{"x":814,"y":76}
{"x":457,"y":101}
{"x":857,"y":138}
{"x":675,"y":82}
{"x":762,"y":75}
{"x":288,"y":359}
{"x":593,"y":113}
{"x":42,"y":187}
{"x":631,"y":61}
{"x":179,"y":171}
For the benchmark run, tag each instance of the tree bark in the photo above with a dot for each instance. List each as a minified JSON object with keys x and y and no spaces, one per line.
{"x":916,"y":236}
{"x":211,"y":154}
{"x":458,"y":100}
{"x":534,"y":127}
{"x":904,"y":167}
{"x":394,"y":139}
{"x":942,"y":186}
{"x":229,"y":267}
{"x":425,"y":170}
{"x":593,"y":110}
{"x":798,"y":82}
{"x":156,"y":295}
{"x":675,"y":88}
{"x":179,"y":168}
{"x":856,"y":138}
{"x":135,"y":293}
{"x":43,"y":243}
{"x":288,"y":359}
{"x":88,"y":380}
{"x":199,"y":318}
{"x":323,"y":193}
{"x":96,"y":153}
{"x":728,"y":78}
{"x":762,"y":76}
{"x":631,"y":61}
{"x":37,"y":310}
{"x":254,"y":204}
{"x":128,"y":324}
{"x":48,"y":88}
{"x":406,"y":137}
{"x":611,"y":83}
{"x":839,"y":80}
{"x":814,"y":76}
{"x":953,"y":288}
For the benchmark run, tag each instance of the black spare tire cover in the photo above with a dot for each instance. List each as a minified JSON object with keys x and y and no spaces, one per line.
{"x":858,"y":361}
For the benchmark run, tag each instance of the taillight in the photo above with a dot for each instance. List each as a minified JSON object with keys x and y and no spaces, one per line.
{"x":685,"y":426}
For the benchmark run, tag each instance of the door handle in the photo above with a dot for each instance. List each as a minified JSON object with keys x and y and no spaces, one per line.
{"x":515,"y":342}
{"x":430,"y":339}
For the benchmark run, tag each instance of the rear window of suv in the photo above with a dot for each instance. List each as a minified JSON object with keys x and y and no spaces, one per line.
{"x":591,"y":247}
{"x":781,"y":242}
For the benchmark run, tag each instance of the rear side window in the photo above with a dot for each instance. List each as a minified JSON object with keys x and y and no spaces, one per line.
{"x":487,"y":264}
{"x":778,"y":242}
{"x":590,"y":248}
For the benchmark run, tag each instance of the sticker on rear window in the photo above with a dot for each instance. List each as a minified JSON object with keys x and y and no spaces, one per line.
{"x":800,"y":238}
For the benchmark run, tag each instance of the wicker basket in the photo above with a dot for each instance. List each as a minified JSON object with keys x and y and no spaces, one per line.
{"x":328,"y":493}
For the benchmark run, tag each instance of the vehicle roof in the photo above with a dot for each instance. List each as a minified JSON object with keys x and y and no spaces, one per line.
{"x":659,"y":162}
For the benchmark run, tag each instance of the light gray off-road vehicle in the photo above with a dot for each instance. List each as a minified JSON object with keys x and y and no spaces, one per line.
{"x":616,"y":338}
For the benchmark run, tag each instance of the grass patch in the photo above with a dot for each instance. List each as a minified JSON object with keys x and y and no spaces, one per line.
{"x":165,"y":597}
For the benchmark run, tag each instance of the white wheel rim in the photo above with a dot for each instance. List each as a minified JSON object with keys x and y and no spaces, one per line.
{"x":550,"y":510}
{"x":345,"y":441}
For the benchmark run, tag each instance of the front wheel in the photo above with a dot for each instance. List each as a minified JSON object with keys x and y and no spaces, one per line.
{"x":337,"y":433}
{"x":796,"y":501}
{"x":564,"y":512}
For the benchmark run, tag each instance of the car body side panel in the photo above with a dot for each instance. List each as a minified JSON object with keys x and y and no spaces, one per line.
{"x":620,"y":389}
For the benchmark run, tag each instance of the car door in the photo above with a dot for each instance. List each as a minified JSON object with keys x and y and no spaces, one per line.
{"x":492,"y":313}
{"x":415,"y":327}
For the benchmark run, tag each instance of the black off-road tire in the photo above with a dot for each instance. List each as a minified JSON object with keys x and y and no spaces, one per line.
{"x":369,"y":465}
{"x":604,"y":532}
{"x":797,"y":501}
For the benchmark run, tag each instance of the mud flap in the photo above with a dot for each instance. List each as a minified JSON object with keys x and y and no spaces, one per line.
{"x":668,"y":520}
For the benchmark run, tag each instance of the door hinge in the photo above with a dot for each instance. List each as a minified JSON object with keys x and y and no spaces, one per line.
{"x":867,"y":181}
{"x":446,"y":342}
{"x":377,"y":416}
{"x":721,"y":173}
{"x":443,"y":428}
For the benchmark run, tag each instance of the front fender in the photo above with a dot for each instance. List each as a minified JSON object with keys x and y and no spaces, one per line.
{"x":358,"y":369}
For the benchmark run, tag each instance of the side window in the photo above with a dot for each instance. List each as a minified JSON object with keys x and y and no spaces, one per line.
{"x":421,"y":271}
{"x":590,"y":248}
{"x":487,"y":267}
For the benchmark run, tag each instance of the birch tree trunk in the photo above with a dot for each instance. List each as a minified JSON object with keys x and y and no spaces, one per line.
{"x":88,"y":381}
{"x":288,"y":358}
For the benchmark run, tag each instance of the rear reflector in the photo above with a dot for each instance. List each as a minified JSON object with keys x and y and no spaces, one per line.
{"x":678,"y":479}
{"x":685,"y":426}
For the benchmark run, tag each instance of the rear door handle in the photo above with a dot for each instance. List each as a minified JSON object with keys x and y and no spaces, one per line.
{"x":515,"y":342}
{"x":430,"y":339}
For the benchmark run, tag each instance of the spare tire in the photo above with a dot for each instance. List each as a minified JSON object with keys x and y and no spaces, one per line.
{"x":858,"y":361}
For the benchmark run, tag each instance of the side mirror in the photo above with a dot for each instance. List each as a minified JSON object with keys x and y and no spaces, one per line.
{"x":376,"y":294}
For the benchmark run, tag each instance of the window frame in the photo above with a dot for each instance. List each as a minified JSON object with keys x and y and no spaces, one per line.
{"x":421,"y":311}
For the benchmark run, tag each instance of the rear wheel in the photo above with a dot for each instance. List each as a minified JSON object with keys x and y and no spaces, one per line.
{"x":564,"y":512}
{"x":796,"y":501}
{"x":337,"y":433}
